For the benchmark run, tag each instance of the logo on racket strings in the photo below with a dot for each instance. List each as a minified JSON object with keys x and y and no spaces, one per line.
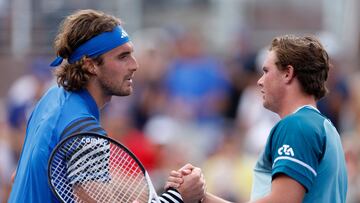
{"x":93,"y":140}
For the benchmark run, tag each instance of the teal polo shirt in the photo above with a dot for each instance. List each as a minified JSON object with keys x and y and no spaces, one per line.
{"x":306,"y":147}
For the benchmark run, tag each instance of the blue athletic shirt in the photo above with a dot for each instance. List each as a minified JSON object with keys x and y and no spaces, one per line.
{"x":58,"y":114}
{"x":306,"y":147}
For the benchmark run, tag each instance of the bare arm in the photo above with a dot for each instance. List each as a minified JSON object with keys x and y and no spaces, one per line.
{"x":81,"y":194}
{"x":283,"y":190}
{"x":210,"y":198}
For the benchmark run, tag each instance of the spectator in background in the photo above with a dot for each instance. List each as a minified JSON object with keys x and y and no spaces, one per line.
{"x":351,"y":138}
{"x":154,"y":50}
{"x":7,"y":158}
{"x":228,"y":172}
{"x":26,"y":91}
{"x":241,"y":64}
{"x":197,"y":85}
{"x":197,"y":90}
{"x":253,"y":120}
{"x":334,"y":104}
{"x":351,"y":145}
{"x":23,"y":94}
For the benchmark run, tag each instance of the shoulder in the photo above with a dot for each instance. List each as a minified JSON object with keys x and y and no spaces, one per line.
{"x":61,"y":109}
{"x":307,"y":122}
{"x":56,"y":98}
{"x":82,"y":124}
{"x":304,"y":129}
{"x":297,"y":144}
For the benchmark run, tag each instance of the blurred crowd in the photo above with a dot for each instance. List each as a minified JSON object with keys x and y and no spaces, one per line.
{"x":190,"y":104}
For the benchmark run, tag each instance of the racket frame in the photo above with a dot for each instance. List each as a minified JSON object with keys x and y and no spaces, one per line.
{"x":152,"y":191}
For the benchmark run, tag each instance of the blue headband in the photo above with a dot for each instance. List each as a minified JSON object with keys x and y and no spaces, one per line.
{"x":97,"y":45}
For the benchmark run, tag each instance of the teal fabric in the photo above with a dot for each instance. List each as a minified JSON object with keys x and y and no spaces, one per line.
{"x":306,"y":147}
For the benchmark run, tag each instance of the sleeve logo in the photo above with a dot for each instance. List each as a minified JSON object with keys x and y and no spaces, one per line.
{"x":286,"y":150}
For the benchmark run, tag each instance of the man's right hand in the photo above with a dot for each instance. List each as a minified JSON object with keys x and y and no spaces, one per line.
{"x":189,"y":181}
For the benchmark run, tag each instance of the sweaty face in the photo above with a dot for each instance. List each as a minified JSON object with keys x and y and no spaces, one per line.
{"x":271,"y":83}
{"x":115,"y":74}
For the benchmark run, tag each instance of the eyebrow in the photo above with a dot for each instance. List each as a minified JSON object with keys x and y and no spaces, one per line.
{"x":124,"y":53}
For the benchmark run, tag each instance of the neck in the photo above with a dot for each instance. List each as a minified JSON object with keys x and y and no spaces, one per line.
{"x":295,"y":102}
{"x":100,"y":98}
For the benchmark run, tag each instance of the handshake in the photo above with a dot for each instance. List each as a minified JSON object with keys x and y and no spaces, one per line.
{"x":189,"y":182}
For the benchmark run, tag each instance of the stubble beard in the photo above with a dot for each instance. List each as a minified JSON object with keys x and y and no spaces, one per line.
{"x":113,"y":89}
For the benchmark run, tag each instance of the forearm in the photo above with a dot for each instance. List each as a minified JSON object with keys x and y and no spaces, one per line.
{"x":210,"y":198}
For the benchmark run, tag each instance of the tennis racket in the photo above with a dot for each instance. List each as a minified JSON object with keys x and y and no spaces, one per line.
{"x":89,"y":167}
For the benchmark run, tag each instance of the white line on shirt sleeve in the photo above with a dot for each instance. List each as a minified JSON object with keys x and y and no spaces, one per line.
{"x":296,"y":161}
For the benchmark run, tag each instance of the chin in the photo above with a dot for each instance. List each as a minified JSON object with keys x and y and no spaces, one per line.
{"x":266,"y":105}
{"x":122,"y":93}
{"x":126,"y":93}
{"x":270,"y":107}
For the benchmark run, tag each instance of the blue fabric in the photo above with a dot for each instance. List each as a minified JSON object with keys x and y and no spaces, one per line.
{"x":97,"y":45}
{"x":58,"y":114}
{"x":306,"y":147}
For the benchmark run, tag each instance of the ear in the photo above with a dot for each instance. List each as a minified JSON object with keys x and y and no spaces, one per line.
{"x":90,"y":65}
{"x":289,"y":73}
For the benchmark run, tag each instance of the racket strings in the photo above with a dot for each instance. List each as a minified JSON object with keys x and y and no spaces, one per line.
{"x":123,"y":168}
{"x":102,"y":170}
{"x":115,"y":180}
{"x":79,"y":157}
{"x":115,"y":183}
{"x":132,"y":174}
{"x":58,"y":167}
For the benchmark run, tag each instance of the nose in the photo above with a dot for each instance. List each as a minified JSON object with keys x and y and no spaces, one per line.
{"x":135,"y":66}
{"x":260,"y":81}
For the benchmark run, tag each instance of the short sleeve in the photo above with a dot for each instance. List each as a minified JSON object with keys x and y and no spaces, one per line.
{"x":296,"y":150}
{"x":83,"y":124}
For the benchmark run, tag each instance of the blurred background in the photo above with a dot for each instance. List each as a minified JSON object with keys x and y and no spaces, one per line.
{"x":195,"y":96}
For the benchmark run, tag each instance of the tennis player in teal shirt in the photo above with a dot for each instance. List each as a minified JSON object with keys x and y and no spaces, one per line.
{"x":303,"y":160}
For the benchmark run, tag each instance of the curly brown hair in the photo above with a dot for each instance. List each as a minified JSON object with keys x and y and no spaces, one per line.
{"x":75,"y":30}
{"x":309,"y":59}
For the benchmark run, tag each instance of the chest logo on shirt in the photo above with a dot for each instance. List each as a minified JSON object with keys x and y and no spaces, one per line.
{"x":286,"y":150}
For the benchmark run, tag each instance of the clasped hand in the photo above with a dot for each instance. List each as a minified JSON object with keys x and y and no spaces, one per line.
{"x":189,"y":181}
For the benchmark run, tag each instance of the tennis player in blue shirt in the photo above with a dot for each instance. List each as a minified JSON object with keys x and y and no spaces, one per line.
{"x":303,"y":160}
{"x":96,"y":62}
